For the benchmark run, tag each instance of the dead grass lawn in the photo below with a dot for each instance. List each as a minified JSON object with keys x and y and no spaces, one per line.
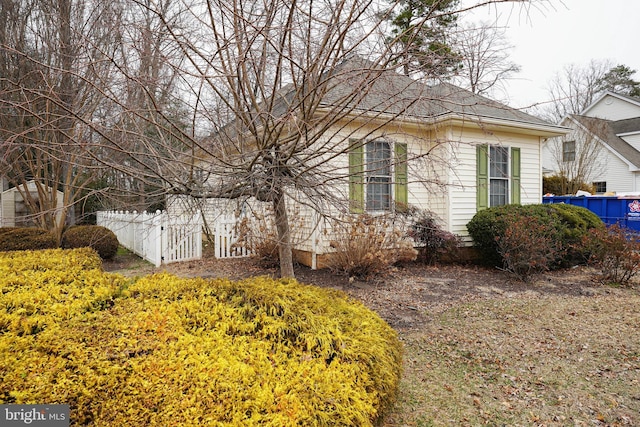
{"x":481,"y":349}
{"x":544,"y":361}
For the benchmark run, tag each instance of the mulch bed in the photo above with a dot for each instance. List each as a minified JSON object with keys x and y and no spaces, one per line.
{"x":406,"y":297}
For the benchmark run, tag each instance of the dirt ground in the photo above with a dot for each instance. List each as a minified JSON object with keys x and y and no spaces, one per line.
{"x":407,"y":297}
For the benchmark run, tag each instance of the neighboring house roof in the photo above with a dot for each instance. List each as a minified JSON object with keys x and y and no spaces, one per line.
{"x":607,"y":131}
{"x":626,"y":126}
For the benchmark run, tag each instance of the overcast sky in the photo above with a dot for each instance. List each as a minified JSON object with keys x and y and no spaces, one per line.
{"x":562,"y":32}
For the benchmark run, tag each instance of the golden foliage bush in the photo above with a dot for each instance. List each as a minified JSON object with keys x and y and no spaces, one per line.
{"x":195,"y":352}
{"x":39,"y":289}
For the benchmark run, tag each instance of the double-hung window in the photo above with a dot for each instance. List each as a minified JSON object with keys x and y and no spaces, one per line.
{"x":377,"y":176}
{"x":498,"y":175}
{"x":568,"y":151}
{"x":601,"y":187}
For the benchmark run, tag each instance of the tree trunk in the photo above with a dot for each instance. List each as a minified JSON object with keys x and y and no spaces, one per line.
{"x":284,"y":235}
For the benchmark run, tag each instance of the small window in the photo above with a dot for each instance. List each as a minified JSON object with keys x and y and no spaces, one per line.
{"x":378,"y":174}
{"x":568,"y":151}
{"x":601,"y":187}
{"x":498,"y":176}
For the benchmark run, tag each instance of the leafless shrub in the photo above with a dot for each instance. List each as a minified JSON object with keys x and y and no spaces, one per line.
{"x":615,"y":252}
{"x":528,"y":246}
{"x":369,"y":246}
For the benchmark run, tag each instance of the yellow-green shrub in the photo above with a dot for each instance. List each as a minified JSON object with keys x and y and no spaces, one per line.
{"x":52,"y":259}
{"x":194,"y":352}
{"x":41,"y":288}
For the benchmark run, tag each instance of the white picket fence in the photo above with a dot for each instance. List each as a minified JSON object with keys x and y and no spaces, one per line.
{"x":156,"y":237}
{"x":226,"y":238}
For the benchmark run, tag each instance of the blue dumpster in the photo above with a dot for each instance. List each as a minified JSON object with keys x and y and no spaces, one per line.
{"x":624,"y":211}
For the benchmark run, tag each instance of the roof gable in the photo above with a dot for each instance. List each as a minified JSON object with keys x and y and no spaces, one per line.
{"x":613,"y":106}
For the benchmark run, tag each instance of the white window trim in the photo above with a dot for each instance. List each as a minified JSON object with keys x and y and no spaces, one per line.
{"x":508,"y":177}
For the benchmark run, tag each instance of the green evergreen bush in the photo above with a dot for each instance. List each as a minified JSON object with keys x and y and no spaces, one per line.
{"x":577,"y":222}
{"x":485,"y":226}
{"x":488,"y":226}
{"x":101,"y":239}
{"x":26,"y":238}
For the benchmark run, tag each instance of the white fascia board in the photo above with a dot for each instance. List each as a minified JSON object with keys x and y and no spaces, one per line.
{"x":542,"y":130}
{"x":620,"y":135}
{"x":480,"y":122}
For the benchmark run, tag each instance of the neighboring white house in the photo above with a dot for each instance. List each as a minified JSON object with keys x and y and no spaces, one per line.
{"x":14,"y":212}
{"x":489,"y":154}
{"x":610,"y":126}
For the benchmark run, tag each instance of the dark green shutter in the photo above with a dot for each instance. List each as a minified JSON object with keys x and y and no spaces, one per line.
{"x":356,"y":176}
{"x":515,"y":176}
{"x":482,"y":177}
{"x":401,"y":193}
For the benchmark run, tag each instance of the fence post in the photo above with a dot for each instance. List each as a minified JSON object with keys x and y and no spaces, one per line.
{"x":163,"y":247}
{"x":198,"y":236}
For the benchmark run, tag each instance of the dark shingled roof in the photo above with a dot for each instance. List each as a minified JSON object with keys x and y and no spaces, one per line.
{"x":626,"y":125}
{"x":608,"y":131}
{"x":387,"y":91}
{"x":360,"y":87}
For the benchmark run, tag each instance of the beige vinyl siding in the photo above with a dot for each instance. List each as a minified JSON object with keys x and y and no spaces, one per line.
{"x":463,"y":184}
{"x":443,"y":182}
{"x":8,"y":209}
{"x":549,"y":147}
{"x":13,"y":204}
{"x":429,"y":175}
{"x":420,"y":193}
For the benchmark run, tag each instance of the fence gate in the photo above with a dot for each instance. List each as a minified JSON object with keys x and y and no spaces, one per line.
{"x":226,"y":238}
{"x":156,"y":237}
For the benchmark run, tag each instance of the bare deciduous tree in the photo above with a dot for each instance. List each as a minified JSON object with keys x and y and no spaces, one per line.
{"x":272,"y":91}
{"x":48,"y":80}
{"x":484,"y":53}
{"x":575,"y":88}
{"x":79,"y":78}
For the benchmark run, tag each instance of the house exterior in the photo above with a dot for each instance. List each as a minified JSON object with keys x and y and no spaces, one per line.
{"x":445,"y":150}
{"x":14,"y":212}
{"x":606,"y":138}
